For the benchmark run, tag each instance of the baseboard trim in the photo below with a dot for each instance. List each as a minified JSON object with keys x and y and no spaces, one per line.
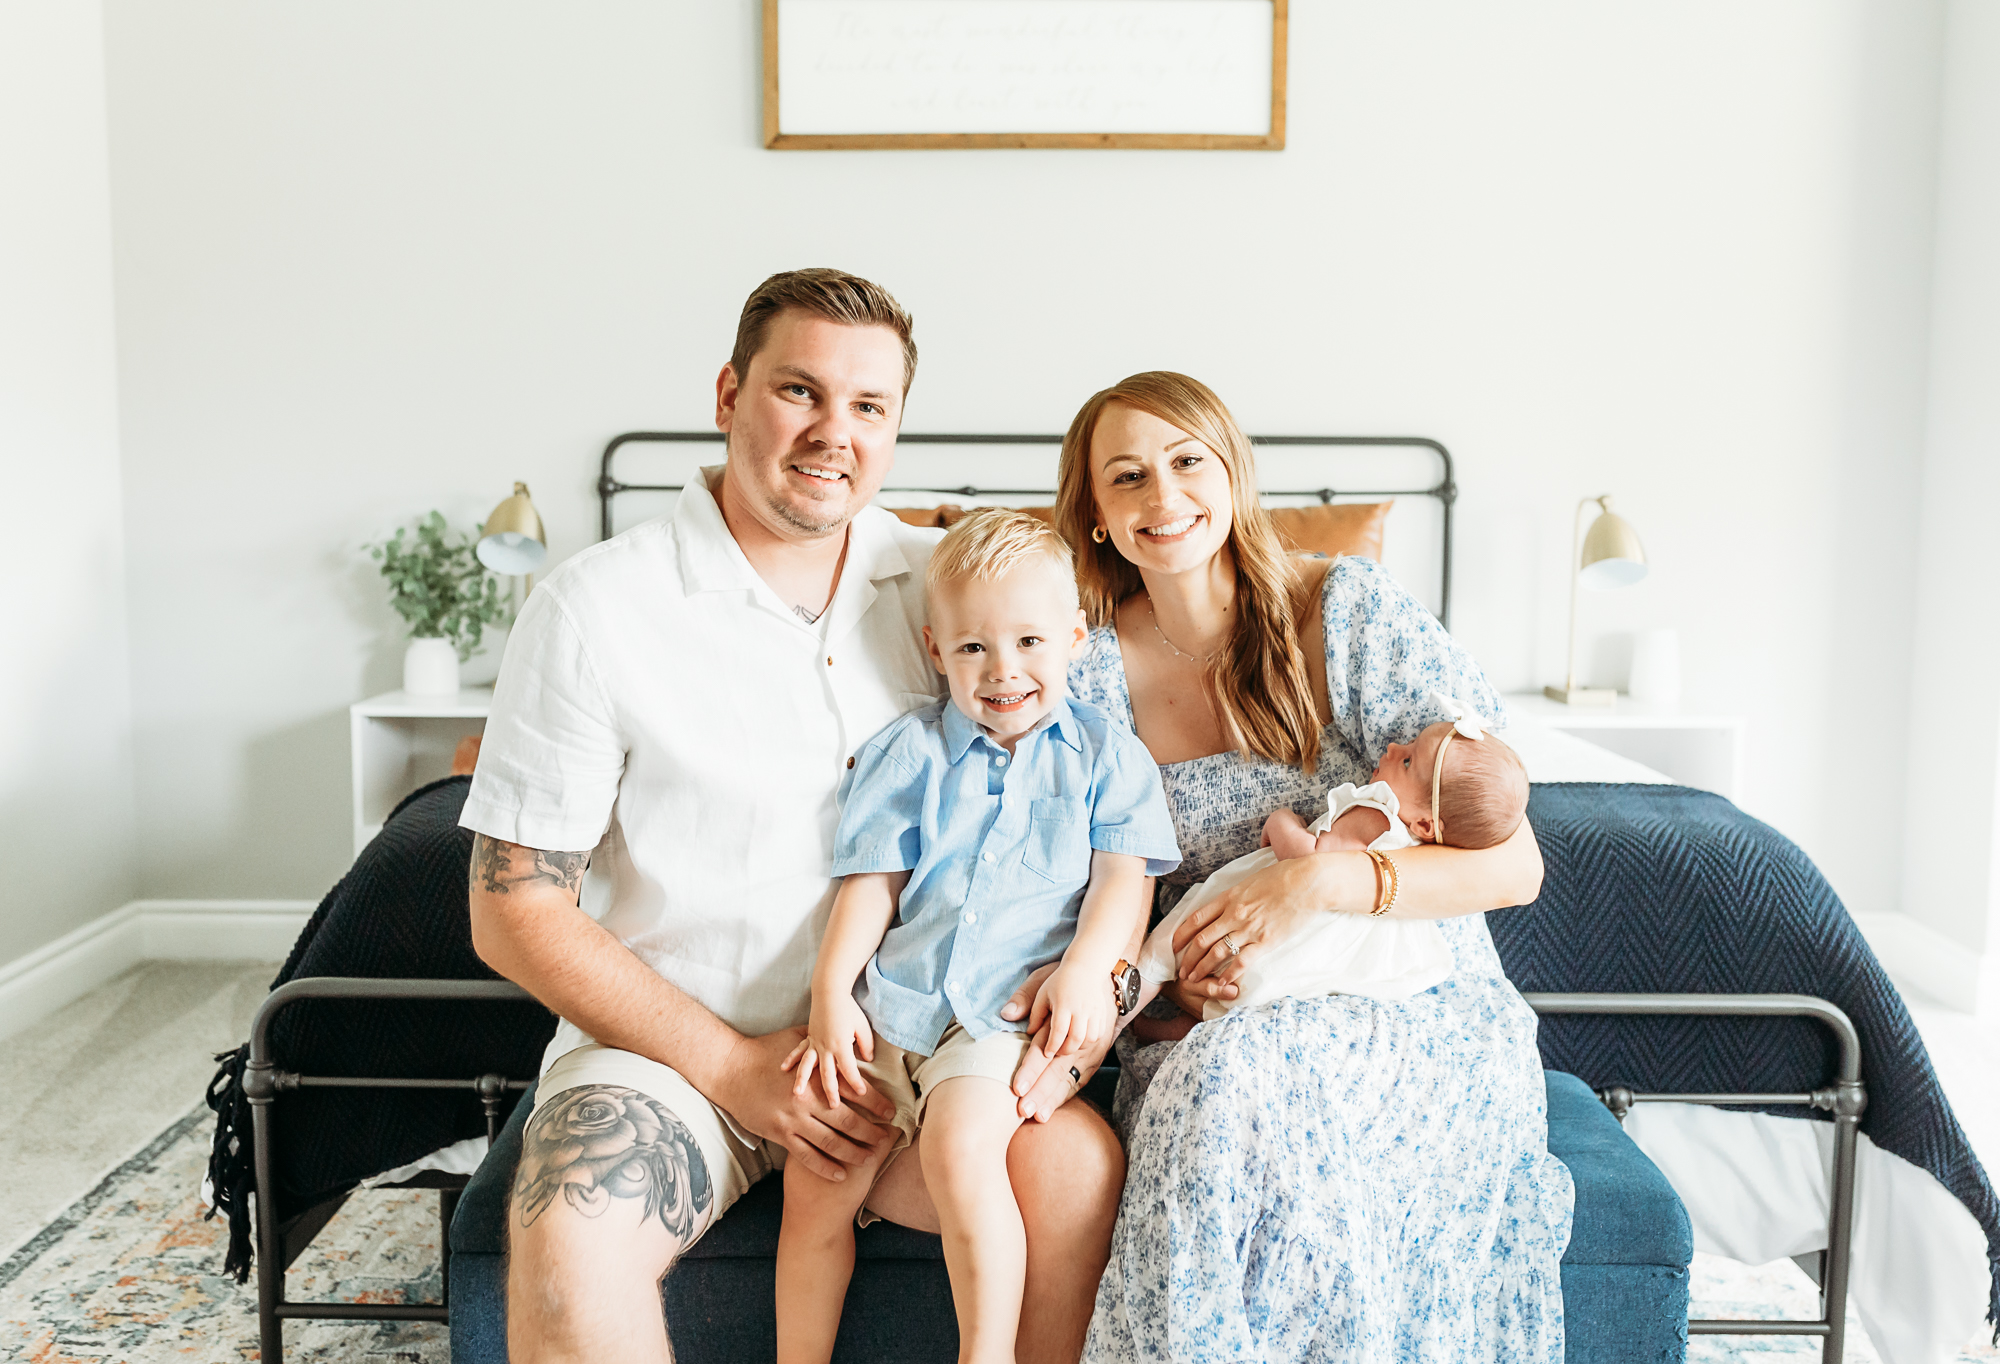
{"x":35,"y":986}
{"x":1942,"y":967}
{"x":220,"y":930}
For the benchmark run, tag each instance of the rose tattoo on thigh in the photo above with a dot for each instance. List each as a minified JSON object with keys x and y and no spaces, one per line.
{"x":599,"y":1142}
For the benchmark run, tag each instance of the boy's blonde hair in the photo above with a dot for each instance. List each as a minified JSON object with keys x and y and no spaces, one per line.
{"x":988,"y":544}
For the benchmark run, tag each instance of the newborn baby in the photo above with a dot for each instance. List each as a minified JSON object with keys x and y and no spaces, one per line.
{"x":1456,"y":785}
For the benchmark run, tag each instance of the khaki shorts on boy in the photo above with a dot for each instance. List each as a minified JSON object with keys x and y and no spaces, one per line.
{"x":909,"y":1078}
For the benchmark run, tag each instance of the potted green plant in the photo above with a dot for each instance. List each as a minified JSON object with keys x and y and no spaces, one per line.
{"x":439,"y":587}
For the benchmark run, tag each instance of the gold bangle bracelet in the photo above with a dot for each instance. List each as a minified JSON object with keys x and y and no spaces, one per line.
{"x":1385,"y":870}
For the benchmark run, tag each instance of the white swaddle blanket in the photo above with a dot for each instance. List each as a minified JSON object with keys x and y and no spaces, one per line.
{"x":1339,"y":954}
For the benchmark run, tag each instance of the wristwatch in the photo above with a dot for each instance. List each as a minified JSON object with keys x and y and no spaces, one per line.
{"x":1125,"y":986}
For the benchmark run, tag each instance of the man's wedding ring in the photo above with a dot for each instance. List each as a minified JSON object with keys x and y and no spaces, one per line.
{"x":1229,"y":943}
{"x":1075,"y":1075}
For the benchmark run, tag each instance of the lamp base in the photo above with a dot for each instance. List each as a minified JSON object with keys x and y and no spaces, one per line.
{"x":1582,"y":696}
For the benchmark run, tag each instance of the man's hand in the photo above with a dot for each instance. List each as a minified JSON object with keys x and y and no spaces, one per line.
{"x":1073,"y":1009}
{"x":1043,"y":1087}
{"x":838,"y":1029}
{"x":825,"y":1139}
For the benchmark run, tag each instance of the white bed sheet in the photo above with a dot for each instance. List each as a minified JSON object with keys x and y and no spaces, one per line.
{"x":1758,"y":1187}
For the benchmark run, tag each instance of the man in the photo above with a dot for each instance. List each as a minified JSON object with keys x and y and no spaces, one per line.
{"x":675,"y":712}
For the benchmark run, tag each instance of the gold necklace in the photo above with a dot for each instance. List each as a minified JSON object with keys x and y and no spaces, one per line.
{"x":1204,"y":660}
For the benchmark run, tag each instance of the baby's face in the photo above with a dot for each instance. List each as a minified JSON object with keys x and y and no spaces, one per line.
{"x":1407,"y":770}
{"x":1004,"y":646}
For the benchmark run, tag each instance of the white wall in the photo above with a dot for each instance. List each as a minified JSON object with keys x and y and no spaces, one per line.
{"x":376,"y":257}
{"x":65,"y":712}
{"x":1949,"y":882}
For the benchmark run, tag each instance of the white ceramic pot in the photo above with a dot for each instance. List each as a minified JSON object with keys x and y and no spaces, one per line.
{"x":430,"y":668}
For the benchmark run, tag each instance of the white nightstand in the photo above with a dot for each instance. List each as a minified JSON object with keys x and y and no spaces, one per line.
{"x":402,"y":741}
{"x":1695,"y":750}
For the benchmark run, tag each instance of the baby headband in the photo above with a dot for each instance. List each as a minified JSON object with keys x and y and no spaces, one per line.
{"x":1464,"y":720}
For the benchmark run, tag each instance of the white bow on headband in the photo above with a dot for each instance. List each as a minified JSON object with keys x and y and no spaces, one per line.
{"x":1463,"y":717}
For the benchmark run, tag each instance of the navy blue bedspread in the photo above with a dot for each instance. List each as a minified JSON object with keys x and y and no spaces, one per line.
{"x":1664,"y":888}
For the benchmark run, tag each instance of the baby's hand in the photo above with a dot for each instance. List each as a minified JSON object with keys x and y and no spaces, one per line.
{"x":1285,"y":834}
{"x":837,"y":1031}
{"x":1076,"y":1004}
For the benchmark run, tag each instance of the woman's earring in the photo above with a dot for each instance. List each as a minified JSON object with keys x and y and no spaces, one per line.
{"x":1098,"y":534}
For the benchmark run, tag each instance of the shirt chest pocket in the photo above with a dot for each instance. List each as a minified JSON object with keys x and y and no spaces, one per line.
{"x":1058,"y":839}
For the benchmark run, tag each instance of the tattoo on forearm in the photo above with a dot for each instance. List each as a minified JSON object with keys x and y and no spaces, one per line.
{"x":498,"y":866}
{"x":599,"y":1142}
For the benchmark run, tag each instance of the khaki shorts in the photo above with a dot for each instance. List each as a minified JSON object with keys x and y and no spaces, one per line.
{"x":908,"y":1078}
{"x":734,"y":1157}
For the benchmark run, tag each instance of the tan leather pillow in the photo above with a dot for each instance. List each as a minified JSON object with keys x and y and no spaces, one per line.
{"x":1342,"y":528}
{"x":950,"y":513}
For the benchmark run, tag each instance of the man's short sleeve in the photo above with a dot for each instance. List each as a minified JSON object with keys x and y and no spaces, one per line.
{"x":552,"y":757}
{"x":881,"y":809}
{"x":1128,"y":813}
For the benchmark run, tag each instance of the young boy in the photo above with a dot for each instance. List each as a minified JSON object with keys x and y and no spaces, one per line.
{"x":980,"y":839}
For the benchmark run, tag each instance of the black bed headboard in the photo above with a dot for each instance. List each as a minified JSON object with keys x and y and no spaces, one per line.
{"x":1445,"y":490}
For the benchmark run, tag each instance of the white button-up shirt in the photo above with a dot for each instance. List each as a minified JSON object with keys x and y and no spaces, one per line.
{"x":660,"y":705}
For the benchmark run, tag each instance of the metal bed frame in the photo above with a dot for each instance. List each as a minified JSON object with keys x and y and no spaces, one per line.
{"x":1445,"y":490}
{"x":278,"y":1245}
{"x":1844,"y":1096}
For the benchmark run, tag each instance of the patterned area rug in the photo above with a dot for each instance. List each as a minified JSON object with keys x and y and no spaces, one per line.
{"x":131,"y":1272}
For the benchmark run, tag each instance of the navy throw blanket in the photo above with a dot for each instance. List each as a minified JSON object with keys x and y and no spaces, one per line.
{"x":1663,"y":889}
{"x":400,"y":912}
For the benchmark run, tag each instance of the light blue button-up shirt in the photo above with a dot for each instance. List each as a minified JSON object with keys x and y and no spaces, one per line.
{"x":998,"y":850}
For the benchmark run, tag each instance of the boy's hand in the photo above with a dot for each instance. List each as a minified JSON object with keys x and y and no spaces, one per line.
{"x":1076,"y":1005}
{"x":838,"y":1030}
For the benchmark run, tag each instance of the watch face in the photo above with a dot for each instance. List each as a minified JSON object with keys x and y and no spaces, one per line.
{"x":1128,"y":990}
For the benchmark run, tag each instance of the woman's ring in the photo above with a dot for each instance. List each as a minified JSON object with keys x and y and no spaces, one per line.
{"x":1230,"y":943}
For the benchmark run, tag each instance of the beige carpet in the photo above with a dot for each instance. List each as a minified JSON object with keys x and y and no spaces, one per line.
{"x":104,"y":1075}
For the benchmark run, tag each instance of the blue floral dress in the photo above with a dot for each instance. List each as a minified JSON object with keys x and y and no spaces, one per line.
{"x":1337,"y":1178}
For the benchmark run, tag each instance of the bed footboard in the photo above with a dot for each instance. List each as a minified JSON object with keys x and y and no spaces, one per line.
{"x":1844,"y":1096}
{"x":263,"y":1082}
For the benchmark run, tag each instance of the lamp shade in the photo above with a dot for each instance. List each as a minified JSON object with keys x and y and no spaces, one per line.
{"x":1612,"y":555}
{"x":512,"y":540}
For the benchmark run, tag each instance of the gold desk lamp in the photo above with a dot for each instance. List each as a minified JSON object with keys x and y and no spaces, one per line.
{"x":512,"y":540}
{"x":1610,"y":556}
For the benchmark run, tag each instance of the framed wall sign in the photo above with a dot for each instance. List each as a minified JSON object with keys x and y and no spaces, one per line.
{"x":1024,"y":73}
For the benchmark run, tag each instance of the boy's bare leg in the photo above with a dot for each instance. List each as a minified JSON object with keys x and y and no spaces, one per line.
{"x":1067,"y":1175}
{"x":816,"y":1258}
{"x":586,"y":1256}
{"x":969,"y":1123}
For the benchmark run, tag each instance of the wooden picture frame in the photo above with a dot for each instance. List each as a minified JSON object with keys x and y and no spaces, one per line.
{"x":778,"y":139}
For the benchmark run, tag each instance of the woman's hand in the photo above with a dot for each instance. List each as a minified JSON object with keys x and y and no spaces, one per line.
{"x":1257,"y":915}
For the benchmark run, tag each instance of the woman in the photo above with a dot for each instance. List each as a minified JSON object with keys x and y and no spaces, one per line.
{"x":1319,"y":1179}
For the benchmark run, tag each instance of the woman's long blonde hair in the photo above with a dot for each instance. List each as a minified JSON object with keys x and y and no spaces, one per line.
{"x":1257,"y":685}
